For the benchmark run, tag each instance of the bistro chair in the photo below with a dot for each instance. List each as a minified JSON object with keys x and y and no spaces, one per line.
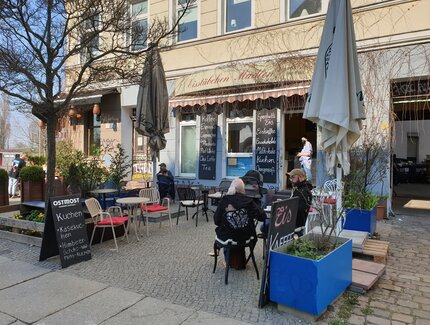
{"x":105,"y":220}
{"x":153,"y":210}
{"x":237,"y":220}
{"x":222,"y":189}
{"x":188,"y":199}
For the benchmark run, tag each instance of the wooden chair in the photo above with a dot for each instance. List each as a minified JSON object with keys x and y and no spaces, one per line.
{"x":153,"y":210}
{"x":105,"y":220}
{"x":188,"y":199}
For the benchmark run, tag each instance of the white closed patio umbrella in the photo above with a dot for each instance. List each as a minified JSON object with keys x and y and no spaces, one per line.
{"x":335,"y":98}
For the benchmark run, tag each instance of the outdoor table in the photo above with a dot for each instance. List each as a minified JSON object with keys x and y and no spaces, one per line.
{"x":132,"y":204}
{"x":103,"y":192}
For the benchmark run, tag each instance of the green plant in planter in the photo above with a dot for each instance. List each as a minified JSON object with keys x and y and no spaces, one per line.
{"x":119,"y":166}
{"x":36,"y":160}
{"x":362,"y":201}
{"x":3,"y":176}
{"x":32,"y":174}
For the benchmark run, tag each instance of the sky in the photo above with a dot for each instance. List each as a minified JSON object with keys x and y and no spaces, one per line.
{"x":19,"y":123}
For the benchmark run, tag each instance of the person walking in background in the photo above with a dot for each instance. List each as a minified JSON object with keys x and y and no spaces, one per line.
{"x":17,"y":164}
{"x":166,"y":185}
{"x":305,"y":158}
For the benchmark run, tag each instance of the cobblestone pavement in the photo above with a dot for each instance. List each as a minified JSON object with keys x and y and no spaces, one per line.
{"x":175,"y":267}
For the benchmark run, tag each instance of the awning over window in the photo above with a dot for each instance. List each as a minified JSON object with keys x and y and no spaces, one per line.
{"x":237,"y":97}
{"x":89,"y":97}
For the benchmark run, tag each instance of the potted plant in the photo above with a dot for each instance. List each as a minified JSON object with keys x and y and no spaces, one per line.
{"x":32,"y":183}
{"x":360,"y":211}
{"x":119,"y":167}
{"x":309,"y":273}
{"x":4,"y":179}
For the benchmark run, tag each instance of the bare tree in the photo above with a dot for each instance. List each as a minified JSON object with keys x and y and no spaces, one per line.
{"x":96,"y":38}
{"x":4,"y":122}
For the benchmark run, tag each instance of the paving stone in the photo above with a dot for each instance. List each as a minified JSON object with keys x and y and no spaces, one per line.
{"x":420,"y":321}
{"x":395,"y":322}
{"x":407,"y":303}
{"x":33,"y":300}
{"x":16,"y":272}
{"x":421,"y":313}
{"x":6,"y":319}
{"x":402,"y":317}
{"x":422,"y":300}
{"x":378,"y":320}
{"x":357,"y":320}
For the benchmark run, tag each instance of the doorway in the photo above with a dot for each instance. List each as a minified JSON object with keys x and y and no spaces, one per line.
{"x":295,"y":127}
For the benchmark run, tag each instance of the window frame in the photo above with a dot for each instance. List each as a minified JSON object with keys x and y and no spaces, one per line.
{"x":224,"y":18}
{"x":137,"y":18}
{"x":177,"y":7}
{"x":84,"y":53}
{"x":228,"y":155}
{"x":286,"y":11}
{"x":181,"y":125}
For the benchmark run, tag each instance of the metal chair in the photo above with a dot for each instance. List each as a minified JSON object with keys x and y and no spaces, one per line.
{"x":153,"y":210}
{"x":105,"y":220}
{"x":188,"y":199}
{"x":237,"y":221}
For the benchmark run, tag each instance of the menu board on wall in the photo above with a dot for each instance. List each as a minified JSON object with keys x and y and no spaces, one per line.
{"x":207,"y":153}
{"x":265,"y":145}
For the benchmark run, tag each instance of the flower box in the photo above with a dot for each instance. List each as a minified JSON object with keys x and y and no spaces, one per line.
{"x":309,"y":285}
{"x":361,"y":220}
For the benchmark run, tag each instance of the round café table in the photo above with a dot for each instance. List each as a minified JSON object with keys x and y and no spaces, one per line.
{"x":132,"y":204}
{"x":103,"y":192}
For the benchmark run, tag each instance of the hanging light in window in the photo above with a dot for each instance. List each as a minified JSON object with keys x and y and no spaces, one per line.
{"x":72,"y":111}
{"x":42,"y":124}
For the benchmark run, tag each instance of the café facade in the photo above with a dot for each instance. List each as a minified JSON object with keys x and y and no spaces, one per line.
{"x":237,"y":98}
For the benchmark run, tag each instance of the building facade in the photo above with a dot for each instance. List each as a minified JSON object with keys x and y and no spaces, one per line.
{"x":238,"y":73}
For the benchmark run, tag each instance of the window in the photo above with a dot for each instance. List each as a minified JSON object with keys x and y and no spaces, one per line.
{"x":239,"y":141}
{"x":304,"y":8}
{"x":93,"y":133}
{"x":238,"y":14}
{"x":139,"y":25}
{"x":90,"y":37}
{"x":188,"y":144}
{"x":187,"y":28}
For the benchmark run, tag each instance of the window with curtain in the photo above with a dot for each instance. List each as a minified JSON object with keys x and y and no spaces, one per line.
{"x":139,"y":25}
{"x":304,"y":8}
{"x":188,"y":145}
{"x":237,"y":15}
{"x":188,"y":26}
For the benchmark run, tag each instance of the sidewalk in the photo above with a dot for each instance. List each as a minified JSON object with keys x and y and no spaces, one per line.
{"x":174,"y":271}
{"x":33,"y":295}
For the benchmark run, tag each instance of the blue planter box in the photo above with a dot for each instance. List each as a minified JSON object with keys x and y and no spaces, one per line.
{"x":361,"y":220}
{"x":309,"y":285}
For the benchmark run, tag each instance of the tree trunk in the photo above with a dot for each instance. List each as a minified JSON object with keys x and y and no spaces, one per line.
{"x":50,"y":174}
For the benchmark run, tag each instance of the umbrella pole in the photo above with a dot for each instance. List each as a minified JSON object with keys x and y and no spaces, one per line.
{"x":154,"y":170}
{"x":339,"y":192}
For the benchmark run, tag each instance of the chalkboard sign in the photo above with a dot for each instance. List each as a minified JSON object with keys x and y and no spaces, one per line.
{"x":207,"y":153}
{"x":65,"y":218}
{"x":281,"y":231}
{"x":265,"y":145}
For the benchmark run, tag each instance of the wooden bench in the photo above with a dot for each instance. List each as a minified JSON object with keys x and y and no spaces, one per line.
{"x":376,"y":248}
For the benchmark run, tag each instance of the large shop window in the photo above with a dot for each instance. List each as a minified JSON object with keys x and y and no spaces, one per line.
{"x":188,"y":26}
{"x":139,"y":25}
{"x":93,"y":134}
{"x":304,"y":8}
{"x":188,"y":145}
{"x":239,"y":142}
{"x":90,"y":37}
{"x":238,"y":14}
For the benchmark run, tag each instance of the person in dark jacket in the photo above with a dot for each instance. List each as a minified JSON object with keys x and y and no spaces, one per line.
{"x":166,"y":184}
{"x":236,"y":214}
{"x":301,"y":189}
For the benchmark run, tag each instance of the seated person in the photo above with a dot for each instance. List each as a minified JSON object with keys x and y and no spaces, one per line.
{"x":235,"y":215}
{"x":301,"y":189}
{"x":166,"y":185}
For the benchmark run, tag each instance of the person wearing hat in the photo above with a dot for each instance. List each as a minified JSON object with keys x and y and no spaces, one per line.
{"x":165,"y":180}
{"x":301,"y":189}
{"x":305,"y":158}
